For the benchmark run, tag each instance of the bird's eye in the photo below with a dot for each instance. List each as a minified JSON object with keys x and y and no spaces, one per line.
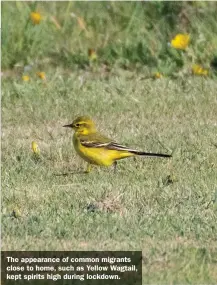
{"x":77,"y":125}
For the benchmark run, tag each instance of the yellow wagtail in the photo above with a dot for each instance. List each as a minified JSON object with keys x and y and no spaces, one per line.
{"x":97,"y":149}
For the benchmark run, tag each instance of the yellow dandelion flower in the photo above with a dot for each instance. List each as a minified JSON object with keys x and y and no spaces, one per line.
{"x":16,"y":213}
{"x":25,"y":77}
{"x":180,"y":41}
{"x":199,"y":70}
{"x":35,"y":17}
{"x":92,"y":54}
{"x":35,"y":148}
{"x":158,"y":75}
{"x":41,"y":75}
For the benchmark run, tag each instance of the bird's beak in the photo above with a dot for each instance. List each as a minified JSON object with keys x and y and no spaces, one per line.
{"x":68,"y":126}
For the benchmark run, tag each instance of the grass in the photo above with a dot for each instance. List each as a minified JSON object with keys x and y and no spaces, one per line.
{"x":129,"y":35}
{"x":167,"y":208}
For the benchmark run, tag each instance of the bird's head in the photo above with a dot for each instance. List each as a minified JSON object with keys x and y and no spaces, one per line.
{"x":82,"y":125}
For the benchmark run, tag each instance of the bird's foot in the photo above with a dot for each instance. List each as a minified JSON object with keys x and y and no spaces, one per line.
{"x":88,"y":168}
{"x":115,"y":166}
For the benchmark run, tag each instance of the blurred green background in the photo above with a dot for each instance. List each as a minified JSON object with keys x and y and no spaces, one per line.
{"x":127,"y":34}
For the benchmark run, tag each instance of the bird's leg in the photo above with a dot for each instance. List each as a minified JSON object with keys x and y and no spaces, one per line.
{"x":115,"y":166}
{"x":88,"y":168}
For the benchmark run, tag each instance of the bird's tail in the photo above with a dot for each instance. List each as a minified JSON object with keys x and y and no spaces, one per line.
{"x":115,"y":146}
{"x":150,"y":154}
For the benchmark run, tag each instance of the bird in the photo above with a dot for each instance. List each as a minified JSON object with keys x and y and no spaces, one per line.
{"x":97,"y":149}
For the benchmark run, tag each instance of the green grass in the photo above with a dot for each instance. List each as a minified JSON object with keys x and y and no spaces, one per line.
{"x":165,"y":207}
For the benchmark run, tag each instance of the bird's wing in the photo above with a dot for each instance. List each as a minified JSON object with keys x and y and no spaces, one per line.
{"x":94,"y":140}
{"x":98,"y":140}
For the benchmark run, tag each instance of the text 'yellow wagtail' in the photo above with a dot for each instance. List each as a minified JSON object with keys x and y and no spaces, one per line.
{"x":97,"y":149}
